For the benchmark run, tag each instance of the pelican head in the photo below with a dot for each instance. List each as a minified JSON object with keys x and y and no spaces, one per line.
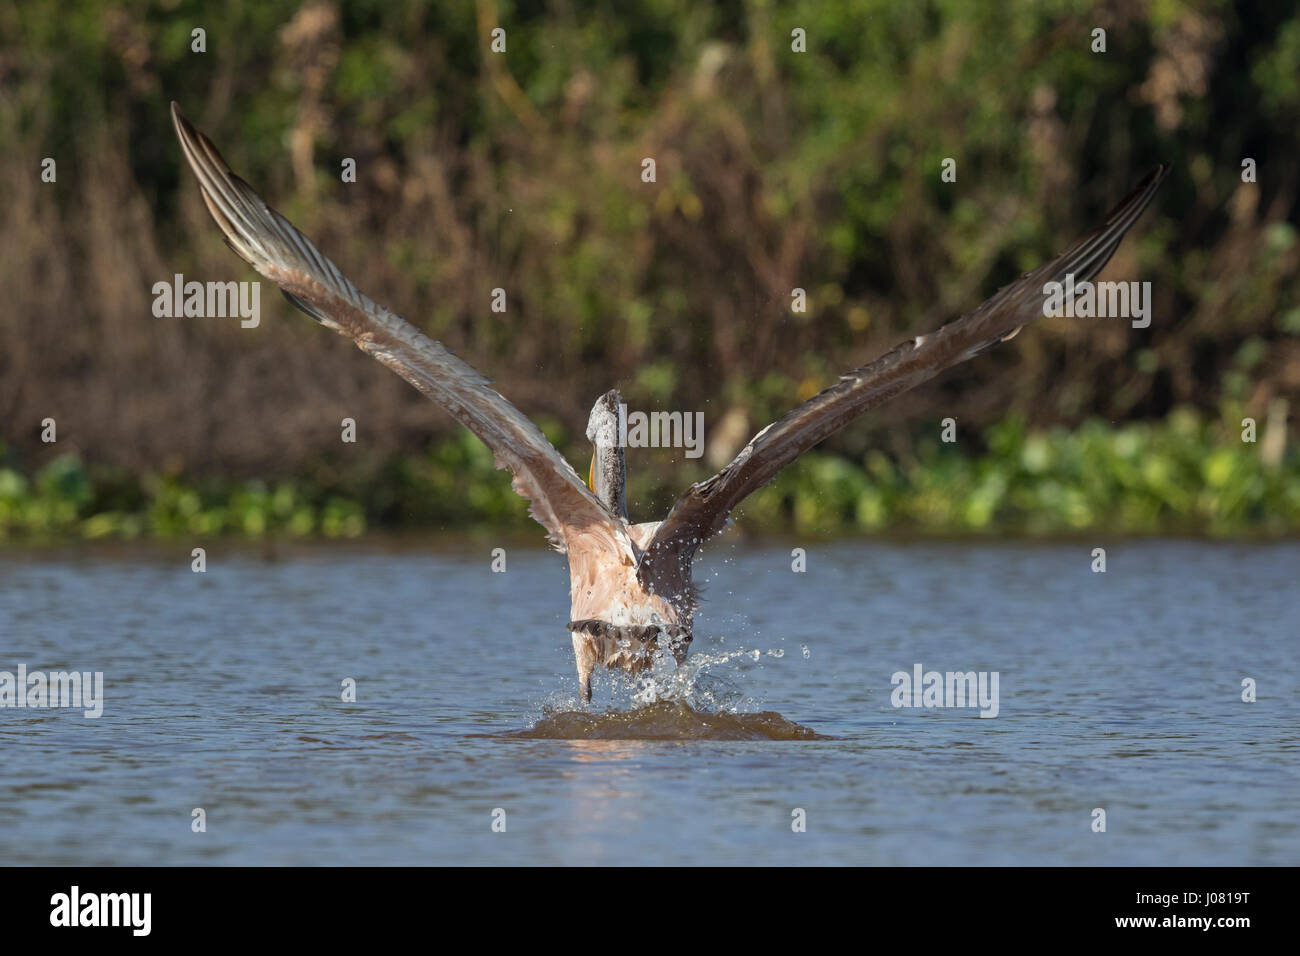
{"x":608,"y":474}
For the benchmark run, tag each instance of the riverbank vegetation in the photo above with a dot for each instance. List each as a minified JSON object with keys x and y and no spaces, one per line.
{"x":1185,"y":475}
{"x":777,"y":169}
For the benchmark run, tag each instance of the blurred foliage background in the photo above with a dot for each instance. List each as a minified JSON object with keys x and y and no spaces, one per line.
{"x":775,"y":170}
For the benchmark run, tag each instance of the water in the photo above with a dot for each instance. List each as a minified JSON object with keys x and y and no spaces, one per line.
{"x":1119,"y":690}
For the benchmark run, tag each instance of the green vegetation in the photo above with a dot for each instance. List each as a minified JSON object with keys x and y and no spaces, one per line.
{"x":1185,"y":475}
{"x":776,"y":170}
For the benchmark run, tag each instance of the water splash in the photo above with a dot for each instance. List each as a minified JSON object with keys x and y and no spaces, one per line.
{"x":669,"y":702}
{"x":696,"y":684}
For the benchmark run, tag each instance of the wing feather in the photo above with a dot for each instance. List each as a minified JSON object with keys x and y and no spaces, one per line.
{"x":559,"y":500}
{"x":702,"y":511}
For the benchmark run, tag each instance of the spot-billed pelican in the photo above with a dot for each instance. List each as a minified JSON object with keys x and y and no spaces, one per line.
{"x":630,"y":584}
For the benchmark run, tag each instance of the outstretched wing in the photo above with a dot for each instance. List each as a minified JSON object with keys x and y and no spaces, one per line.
{"x":702,"y":511}
{"x":268,"y":242}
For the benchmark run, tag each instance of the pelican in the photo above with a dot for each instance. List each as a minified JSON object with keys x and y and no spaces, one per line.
{"x":630,"y":587}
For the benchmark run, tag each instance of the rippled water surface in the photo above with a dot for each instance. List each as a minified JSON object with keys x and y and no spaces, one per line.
{"x":1119,"y":691}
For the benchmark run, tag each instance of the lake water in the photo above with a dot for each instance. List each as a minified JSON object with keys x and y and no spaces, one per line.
{"x":1120,"y":691}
